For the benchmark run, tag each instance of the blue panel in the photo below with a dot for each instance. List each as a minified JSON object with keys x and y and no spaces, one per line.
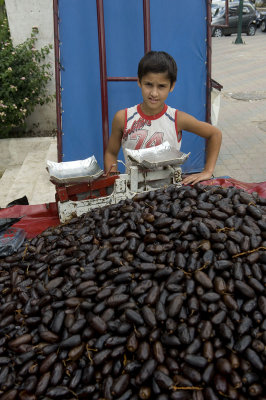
{"x":124,"y":36}
{"x":80,"y":80}
{"x":180,"y":28}
{"x":124,"y":32}
{"x":176,"y":27}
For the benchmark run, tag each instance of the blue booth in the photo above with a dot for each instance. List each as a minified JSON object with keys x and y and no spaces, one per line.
{"x":100,"y":45}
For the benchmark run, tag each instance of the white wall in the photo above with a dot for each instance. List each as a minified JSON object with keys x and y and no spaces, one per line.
{"x":22,"y":16}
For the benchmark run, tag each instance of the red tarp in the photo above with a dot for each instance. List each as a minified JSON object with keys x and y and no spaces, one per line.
{"x":37,"y":218}
{"x":260,"y":187}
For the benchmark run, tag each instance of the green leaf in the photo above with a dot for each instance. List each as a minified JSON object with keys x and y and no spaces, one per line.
{"x":23,"y":80}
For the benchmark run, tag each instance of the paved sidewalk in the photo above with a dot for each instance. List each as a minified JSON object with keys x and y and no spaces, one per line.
{"x":241,"y":69}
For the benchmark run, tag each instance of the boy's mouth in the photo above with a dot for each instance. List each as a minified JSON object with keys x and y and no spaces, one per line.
{"x":153,"y":100}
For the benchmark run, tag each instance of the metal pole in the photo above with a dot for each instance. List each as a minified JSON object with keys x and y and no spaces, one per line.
{"x":147,"y":25}
{"x":57,"y":82}
{"x":209,"y":57}
{"x":239,"y":26}
{"x":103,"y":72}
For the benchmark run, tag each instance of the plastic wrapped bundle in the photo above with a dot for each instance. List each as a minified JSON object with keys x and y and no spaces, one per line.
{"x":157,"y":156}
{"x":74,"y":171}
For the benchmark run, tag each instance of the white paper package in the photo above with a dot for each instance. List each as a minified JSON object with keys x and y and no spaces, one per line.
{"x":74,"y":171}
{"x":157,"y":156}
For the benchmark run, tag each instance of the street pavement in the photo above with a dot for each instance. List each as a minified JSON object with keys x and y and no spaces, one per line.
{"x":241,"y":70}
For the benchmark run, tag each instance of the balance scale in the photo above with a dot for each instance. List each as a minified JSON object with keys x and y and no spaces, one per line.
{"x":81,"y":185}
{"x":76,"y":199}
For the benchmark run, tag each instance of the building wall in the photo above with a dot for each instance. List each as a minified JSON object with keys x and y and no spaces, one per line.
{"x":22,"y":16}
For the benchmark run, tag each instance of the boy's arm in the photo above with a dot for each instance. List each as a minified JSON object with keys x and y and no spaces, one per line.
{"x":213,"y":138}
{"x":114,"y":143}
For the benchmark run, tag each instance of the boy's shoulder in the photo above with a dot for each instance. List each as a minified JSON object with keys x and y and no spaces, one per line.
{"x":121,"y":114}
{"x":119,"y":119}
{"x":171,"y":109}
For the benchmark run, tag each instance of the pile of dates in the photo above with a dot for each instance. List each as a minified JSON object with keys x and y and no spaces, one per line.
{"x":160,"y":297}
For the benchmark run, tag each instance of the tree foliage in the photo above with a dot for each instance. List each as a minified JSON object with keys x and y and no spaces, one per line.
{"x":23,"y":79}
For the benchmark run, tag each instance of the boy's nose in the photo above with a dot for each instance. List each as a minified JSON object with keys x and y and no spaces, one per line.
{"x":154,"y":92}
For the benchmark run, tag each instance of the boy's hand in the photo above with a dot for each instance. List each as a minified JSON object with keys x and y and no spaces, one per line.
{"x":106,"y":174}
{"x":112,"y":171}
{"x":195,"y":178}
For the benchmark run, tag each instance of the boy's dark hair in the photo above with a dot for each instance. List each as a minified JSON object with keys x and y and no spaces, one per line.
{"x":158,"y":61}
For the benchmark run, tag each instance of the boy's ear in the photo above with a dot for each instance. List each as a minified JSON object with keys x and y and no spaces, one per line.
{"x":172,"y":87}
{"x":139,"y":83}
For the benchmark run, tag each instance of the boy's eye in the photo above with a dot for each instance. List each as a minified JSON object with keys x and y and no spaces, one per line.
{"x":150,"y":84}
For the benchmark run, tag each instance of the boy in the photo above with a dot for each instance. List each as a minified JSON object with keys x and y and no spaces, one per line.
{"x":152,"y":122}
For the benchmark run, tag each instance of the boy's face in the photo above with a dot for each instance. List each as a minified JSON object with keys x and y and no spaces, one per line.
{"x":155,"y":88}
